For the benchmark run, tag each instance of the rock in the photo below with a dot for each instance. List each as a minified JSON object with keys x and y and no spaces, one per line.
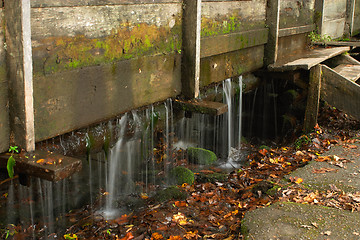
{"x":180,"y":175}
{"x":172,"y":192}
{"x":201,"y":156}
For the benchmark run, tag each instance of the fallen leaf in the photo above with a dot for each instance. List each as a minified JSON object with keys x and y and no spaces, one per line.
{"x":324,"y":170}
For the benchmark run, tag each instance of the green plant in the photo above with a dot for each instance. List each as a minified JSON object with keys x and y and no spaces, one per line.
{"x":11,"y":161}
{"x":315,"y":37}
{"x":302,"y":141}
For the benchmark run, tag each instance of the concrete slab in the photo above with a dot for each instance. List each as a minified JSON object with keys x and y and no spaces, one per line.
{"x":287,"y":220}
{"x":307,"y":59}
{"x":346,"y":178}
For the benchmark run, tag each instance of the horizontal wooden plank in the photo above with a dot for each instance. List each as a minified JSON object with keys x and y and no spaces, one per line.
{"x":340,"y":92}
{"x":77,"y":3}
{"x":296,"y":30}
{"x":307,"y":59}
{"x":339,"y":43}
{"x":45,"y":165}
{"x":231,"y":42}
{"x":351,"y":72}
{"x":204,"y":107}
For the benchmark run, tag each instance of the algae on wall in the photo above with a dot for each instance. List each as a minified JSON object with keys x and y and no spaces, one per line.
{"x":65,"y":38}
{"x":220,"y":18}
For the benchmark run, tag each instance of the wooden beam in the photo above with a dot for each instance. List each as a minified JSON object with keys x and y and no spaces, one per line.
{"x":312,"y":106}
{"x":273,"y":21}
{"x":350,"y":16}
{"x":319,"y":15}
{"x":340,"y":92}
{"x":45,"y":165}
{"x":190,"y":67}
{"x":19,"y":55}
{"x":234,"y":41}
{"x":204,"y":107}
{"x":284,"y":32}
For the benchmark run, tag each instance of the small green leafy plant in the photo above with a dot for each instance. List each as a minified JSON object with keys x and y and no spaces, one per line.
{"x":315,"y":37}
{"x":11,"y":161}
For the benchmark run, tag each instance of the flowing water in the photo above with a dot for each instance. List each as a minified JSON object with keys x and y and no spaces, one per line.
{"x":142,"y":151}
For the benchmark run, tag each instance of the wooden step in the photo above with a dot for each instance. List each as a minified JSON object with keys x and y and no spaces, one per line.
{"x":307,"y":59}
{"x":201,"y":106}
{"x":45,"y":165}
{"x":351,"y":72}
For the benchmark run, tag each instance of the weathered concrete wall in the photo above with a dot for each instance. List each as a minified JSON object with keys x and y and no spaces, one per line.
{"x":233,"y":37}
{"x":334,"y":18}
{"x":4,"y":114}
{"x":95,"y":62}
{"x":356,"y":28}
{"x":296,"y":21}
{"x":295,"y":13}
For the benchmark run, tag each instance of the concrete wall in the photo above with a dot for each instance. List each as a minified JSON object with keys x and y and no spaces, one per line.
{"x":4,"y":114}
{"x":296,"y":22}
{"x":334,"y":18}
{"x":94,"y":62}
{"x":356,"y":27}
{"x":236,"y":28}
{"x":95,"y":59}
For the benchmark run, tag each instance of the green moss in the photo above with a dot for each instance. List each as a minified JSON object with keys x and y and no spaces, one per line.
{"x":169,"y":193}
{"x":180,"y":175}
{"x":123,"y":43}
{"x":227,"y":24}
{"x":212,"y":177}
{"x":201,"y":156}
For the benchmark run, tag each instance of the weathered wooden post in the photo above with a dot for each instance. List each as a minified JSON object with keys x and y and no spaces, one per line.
{"x":319,"y":15}
{"x":190,"y":66}
{"x":313,"y":100}
{"x":272,"y":20}
{"x":350,"y":16}
{"x":19,"y":60}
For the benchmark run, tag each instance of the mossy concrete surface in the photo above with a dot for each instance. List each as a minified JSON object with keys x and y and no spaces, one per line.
{"x":346,"y":178}
{"x":285,"y":220}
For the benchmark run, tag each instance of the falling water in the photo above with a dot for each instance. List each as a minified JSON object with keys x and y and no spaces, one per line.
{"x":227,"y":90}
{"x":240,"y":109}
{"x":114,"y":161}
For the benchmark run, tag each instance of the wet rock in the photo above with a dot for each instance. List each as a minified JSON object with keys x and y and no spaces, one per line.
{"x":211,"y":177}
{"x":172,"y":192}
{"x":201,"y":156}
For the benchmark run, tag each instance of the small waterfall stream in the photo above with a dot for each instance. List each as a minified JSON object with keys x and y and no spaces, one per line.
{"x":139,"y":149}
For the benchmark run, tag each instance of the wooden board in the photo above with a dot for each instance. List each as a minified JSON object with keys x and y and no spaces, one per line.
{"x":307,"y":59}
{"x":204,"y":107}
{"x":44,"y":165}
{"x":351,"y":72}
{"x":340,"y":92}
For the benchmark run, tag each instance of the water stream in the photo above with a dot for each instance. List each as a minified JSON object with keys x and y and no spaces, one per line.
{"x":143,"y":150}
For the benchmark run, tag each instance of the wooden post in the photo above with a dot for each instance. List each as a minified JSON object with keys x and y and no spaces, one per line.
{"x":313,"y":100}
{"x":350,"y":16}
{"x":19,"y":60}
{"x":273,"y":22}
{"x":319,"y":15}
{"x":190,"y":66}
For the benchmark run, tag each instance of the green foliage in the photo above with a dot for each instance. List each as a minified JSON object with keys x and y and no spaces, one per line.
{"x":180,"y":175}
{"x":315,"y":37}
{"x":302,"y":141}
{"x":11,"y":161}
{"x":201,"y":156}
{"x":70,"y":237}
